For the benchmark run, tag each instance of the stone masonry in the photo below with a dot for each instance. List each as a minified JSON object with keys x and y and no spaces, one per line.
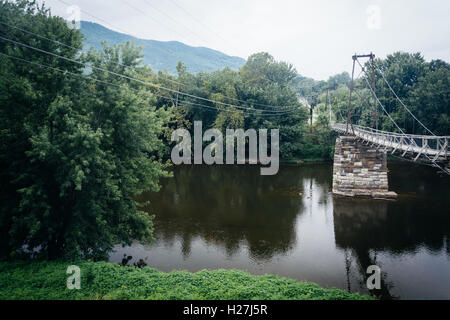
{"x":359,"y":170}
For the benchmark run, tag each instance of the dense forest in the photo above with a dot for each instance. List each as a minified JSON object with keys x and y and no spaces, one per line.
{"x":85,"y":131}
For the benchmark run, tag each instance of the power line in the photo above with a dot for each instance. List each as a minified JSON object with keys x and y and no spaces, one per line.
{"x":138,"y":80}
{"x":158,"y":74}
{"x":84,"y":77}
{"x":65,"y":72}
{"x":39,"y":36}
{"x":144,"y":13}
{"x":112,"y":25}
{"x":152,"y":18}
{"x":68,"y":46}
{"x":180,"y":83}
{"x":95,"y":17}
{"x":177,"y":22}
{"x":104,"y":21}
{"x":201,"y":23}
{"x":287,"y":107}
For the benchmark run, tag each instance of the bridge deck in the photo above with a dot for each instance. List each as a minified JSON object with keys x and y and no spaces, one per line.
{"x":432,"y":148}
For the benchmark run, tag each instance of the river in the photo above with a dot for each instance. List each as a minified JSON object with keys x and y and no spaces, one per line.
{"x":231,"y":217}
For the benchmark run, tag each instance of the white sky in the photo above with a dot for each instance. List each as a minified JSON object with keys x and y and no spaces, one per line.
{"x":317,"y":36}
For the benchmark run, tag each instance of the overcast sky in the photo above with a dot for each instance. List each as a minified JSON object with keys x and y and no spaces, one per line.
{"x":318,"y":37}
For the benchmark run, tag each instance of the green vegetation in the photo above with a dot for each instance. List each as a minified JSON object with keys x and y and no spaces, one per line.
{"x":79,"y":145}
{"x":81,"y":137}
{"x":74,"y":153}
{"x":102,"y":280}
{"x":259,"y":85}
{"x":422,"y":86}
{"x":163,"y":55}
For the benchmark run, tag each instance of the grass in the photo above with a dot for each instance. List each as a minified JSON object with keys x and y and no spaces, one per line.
{"x":103,"y":280}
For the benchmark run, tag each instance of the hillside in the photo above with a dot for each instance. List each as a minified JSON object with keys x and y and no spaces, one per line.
{"x":163,"y":55}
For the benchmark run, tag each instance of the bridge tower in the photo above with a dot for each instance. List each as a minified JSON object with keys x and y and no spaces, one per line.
{"x":360,"y":170}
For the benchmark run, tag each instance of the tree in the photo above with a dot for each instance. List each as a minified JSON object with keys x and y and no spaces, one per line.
{"x":337,"y":80}
{"x":261,"y":84}
{"x":430,"y":98}
{"x":270,"y":82}
{"x":403,"y":71}
{"x":422,"y":86}
{"x":75,"y":152}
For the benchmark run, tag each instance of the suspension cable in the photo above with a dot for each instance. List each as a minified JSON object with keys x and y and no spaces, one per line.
{"x":401,"y":102}
{"x":400,"y":129}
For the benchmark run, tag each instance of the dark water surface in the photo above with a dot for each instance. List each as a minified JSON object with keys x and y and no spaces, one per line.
{"x":211,"y":217}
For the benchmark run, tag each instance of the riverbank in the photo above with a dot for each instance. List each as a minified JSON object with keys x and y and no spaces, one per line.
{"x":102,"y":280}
{"x":306,"y":161}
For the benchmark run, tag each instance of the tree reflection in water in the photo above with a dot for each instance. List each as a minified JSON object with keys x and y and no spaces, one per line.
{"x":290,"y":224}
{"x":227,"y":205}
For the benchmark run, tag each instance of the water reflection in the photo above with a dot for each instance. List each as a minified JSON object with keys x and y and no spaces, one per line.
{"x":227,"y":206}
{"x":357,"y":226}
{"x":290,"y":224}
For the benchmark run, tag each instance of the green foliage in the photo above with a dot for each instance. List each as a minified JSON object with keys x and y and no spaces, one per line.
{"x":74,"y":151}
{"x":430,"y":98}
{"x":260,"y":84}
{"x":102,"y":280}
{"x":423,"y":86}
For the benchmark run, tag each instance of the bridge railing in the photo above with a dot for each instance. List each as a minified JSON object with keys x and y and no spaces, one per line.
{"x":436,"y":146}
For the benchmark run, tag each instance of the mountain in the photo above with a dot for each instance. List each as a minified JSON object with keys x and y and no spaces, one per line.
{"x":163,"y":55}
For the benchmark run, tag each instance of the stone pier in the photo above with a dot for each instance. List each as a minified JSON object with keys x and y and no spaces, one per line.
{"x":359,"y":170}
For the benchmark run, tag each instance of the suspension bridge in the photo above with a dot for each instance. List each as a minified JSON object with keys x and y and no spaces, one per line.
{"x":361,"y":153}
{"x":409,"y":146}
